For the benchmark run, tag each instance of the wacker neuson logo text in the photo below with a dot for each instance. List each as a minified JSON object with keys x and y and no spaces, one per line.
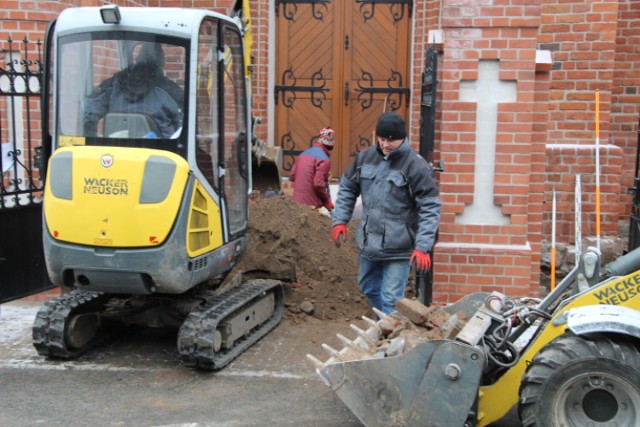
{"x":619,"y":292}
{"x":106,"y":186}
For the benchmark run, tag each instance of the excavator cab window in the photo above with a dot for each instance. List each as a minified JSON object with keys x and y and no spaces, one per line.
{"x":207,"y":103}
{"x":235,"y":130}
{"x":222,"y":118}
{"x":122,"y":89}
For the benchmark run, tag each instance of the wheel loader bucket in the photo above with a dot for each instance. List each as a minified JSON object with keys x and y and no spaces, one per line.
{"x":435,"y":384}
{"x":432,"y":382}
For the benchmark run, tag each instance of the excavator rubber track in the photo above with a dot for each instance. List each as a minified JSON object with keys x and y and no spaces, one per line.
{"x":51,"y":336}
{"x":199,"y":335}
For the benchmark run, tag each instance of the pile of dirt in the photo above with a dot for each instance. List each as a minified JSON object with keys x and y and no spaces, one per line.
{"x":282,"y":234}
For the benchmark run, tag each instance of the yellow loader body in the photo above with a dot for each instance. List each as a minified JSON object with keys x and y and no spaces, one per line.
{"x":497,"y":399}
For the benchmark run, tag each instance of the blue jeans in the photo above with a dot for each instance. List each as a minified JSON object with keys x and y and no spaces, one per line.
{"x":383,"y":282}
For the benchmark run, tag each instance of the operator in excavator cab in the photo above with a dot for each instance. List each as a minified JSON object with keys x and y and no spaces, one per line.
{"x":141,"y":89}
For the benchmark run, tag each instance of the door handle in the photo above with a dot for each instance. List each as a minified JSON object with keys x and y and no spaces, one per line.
{"x":346,"y":94}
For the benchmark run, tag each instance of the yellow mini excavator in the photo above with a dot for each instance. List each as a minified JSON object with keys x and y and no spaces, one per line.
{"x":148,"y":181}
{"x":571,"y":359}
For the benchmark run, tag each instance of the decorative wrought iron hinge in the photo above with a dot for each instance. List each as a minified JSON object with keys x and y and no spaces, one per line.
{"x":289,"y":153}
{"x":314,"y":89}
{"x":368,"y":8}
{"x":395,"y":93}
{"x":362,"y":143}
{"x":315,"y":12}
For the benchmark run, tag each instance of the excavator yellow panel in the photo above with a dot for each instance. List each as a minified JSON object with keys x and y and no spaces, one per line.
{"x":113,"y":196}
{"x":204,"y":229}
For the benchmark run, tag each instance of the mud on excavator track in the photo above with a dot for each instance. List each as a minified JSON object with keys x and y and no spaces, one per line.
{"x":225,"y":326}
{"x":217,"y":329}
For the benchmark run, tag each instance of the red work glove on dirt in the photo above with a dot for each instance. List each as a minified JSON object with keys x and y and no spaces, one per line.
{"x":423,"y":260}
{"x":329,"y":205}
{"x":338,"y":230}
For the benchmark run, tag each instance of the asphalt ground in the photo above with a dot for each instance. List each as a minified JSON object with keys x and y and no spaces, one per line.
{"x":137,"y":379}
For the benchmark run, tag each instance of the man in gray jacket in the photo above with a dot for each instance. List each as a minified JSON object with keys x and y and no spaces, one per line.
{"x":401,"y":212}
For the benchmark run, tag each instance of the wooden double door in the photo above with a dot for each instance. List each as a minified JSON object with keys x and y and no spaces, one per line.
{"x":339,"y":64}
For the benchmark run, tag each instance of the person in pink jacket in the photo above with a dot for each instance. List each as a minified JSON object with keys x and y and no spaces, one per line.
{"x":310,"y":173}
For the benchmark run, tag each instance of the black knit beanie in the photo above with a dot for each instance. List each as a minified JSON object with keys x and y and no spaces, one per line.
{"x":391,"y":126}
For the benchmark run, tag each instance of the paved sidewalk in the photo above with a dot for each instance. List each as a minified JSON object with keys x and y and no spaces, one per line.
{"x":137,"y":379}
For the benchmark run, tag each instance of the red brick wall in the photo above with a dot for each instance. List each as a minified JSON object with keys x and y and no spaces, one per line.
{"x":260,"y":65}
{"x":421,"y":17}
{"x":625,"y":94}
{"x":464,"y":269}
{"x":582,"y":38}
{"x":28,"y":19}
{"x":595,"y":48}
{"x":538,"y":173}
{"x":474,"y":257}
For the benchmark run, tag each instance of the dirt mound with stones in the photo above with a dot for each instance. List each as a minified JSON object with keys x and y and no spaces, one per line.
{"x":284,"y":234}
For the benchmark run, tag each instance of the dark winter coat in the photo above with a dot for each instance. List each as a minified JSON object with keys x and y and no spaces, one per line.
{"x":310,"y":176}
{"x":137,"y":90}
{"x":400,"y":202}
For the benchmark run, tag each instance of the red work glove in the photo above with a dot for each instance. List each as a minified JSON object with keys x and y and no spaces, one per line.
{"x":423,"y":260}
{"x":329,"y":205}
{"x":339,"y":234}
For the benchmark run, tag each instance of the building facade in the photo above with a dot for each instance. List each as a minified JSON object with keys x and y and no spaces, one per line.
{"x":529,"y":98}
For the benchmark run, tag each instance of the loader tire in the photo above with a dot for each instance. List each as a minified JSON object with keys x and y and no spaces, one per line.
{"x":590,"y":380}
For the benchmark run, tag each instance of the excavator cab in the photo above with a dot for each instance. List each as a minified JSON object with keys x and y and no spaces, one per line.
{"x":150,"y":147}
{"x":146,"y":196}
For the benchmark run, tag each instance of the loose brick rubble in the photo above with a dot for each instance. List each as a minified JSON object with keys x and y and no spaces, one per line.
{"x":412,"y":324}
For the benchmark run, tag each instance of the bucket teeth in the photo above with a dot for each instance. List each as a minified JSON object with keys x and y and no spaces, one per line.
{"x":318,"y":364}
{"x":371,"y":335}
{"x":369,"y":321}
{"x":379,"y":313}
{"x":356,"y":329}
{"x":346,"y":341}
{"x":332,"y":351}
{"x":357,"y":344}
{"x":360,"y":332}
{"x":363,"y":347}
{"x":363,"y":340}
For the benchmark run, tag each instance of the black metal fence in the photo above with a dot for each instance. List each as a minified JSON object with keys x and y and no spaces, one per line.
{"x":22,"y":268}
{"x":20,"y":129}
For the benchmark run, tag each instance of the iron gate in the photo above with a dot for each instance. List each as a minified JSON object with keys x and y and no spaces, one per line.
{"x":22,"y":267}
